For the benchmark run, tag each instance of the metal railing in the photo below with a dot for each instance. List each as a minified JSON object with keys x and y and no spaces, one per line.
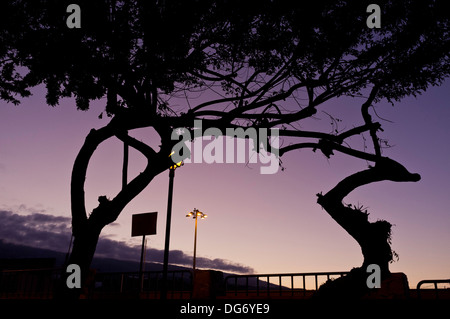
{"x":282,"y":285}
{"x":435,"y":283}
{"x":179,"y":284}
{"x":29,"y":283}
{"x":42,"y":284}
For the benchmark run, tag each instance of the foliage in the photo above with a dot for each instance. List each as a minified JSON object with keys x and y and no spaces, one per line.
{"x":129,"y":50}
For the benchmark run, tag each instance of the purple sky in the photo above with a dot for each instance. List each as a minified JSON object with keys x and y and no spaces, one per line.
{"x":270,"y":223}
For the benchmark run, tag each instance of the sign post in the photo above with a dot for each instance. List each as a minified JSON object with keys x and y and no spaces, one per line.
{"x":142,"y":225}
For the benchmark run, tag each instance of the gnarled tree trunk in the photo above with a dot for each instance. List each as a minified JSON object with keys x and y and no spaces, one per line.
{"x":373,"y":237}
{"x":86,"y":229}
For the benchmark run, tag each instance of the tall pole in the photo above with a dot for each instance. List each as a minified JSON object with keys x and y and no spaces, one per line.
{"x":141,"y":264}
{"x":167,"y":241}
{"x":195,"y":214}
{"x":195,"y":240}
{"x":125,"y":165}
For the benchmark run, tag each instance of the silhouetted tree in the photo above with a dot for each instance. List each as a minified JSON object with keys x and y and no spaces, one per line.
{"x":266,"y":64}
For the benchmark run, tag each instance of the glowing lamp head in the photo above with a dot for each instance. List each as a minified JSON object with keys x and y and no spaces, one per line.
{"x":175,"y":166}
{"x":196,"y":213}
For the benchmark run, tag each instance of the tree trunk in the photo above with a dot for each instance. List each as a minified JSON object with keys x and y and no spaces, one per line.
{"x":373,"y":238}
{"x":83,"y":250}
{"x":86,"y":230}
{"x":84,"y":246}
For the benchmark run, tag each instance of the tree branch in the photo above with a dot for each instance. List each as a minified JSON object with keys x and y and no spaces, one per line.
{"x":337,"y":138}
{"x":385,"y":169}
{"x":327,"y":148}
{"x":78,"y":205}
{"x":138,"y":184}
{"x":368,"y":119}
{"x":358,"y":130}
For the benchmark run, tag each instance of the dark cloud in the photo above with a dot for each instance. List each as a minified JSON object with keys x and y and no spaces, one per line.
{"x":35,"y":230}
{"x":54,"y":233}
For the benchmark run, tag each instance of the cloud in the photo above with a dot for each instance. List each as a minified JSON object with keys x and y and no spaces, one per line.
{"x":36,"y":230}
{"x":54,"y":232}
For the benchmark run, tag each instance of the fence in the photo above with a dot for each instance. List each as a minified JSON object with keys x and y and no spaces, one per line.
{"x":29,"y":284}
{"x":179,"y":284}
{"x":42,"y":283}
{"x":437,"y":292}
{"x":293,"y":285}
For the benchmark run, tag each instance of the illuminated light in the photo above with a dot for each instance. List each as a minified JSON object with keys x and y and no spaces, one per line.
{"x":179,"y":164}
{"x":196,"y":213}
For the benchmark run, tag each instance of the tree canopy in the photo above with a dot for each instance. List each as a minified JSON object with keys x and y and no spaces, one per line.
{"x":267,"y":63}
{"x":130,"y":49}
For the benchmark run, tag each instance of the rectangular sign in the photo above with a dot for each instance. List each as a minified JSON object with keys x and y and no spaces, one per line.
{"x":143,"y":224}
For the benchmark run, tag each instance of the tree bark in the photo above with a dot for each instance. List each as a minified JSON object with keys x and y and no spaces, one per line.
{"x":373,"y":238}
{"x":84,"y":246}
{"x":86,"y":230}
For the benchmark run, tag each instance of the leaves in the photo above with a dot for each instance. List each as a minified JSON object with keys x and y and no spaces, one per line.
{"x":146,"y":49}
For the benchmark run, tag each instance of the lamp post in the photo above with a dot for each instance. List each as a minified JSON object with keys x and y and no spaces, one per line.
{"x":168,"y":222}
{"x":195,"y":214}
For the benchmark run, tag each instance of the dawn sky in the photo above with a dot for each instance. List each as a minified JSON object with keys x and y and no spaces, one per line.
{"x":270,"y":223}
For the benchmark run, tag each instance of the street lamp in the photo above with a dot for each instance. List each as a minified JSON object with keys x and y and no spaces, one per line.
{"x":168,"y":222}
{"x":195,"y":214}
